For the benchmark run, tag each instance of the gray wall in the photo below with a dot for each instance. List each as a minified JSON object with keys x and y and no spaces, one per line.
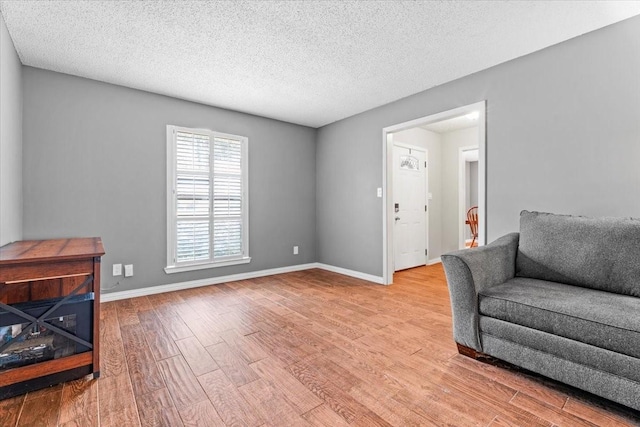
{"x":95,"y":164}
{"x":10,"y":140}
{"x":473,"y":184}
{"x":562,"y":136}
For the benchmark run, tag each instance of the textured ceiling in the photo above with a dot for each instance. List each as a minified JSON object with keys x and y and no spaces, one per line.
{"x":306,"y":62}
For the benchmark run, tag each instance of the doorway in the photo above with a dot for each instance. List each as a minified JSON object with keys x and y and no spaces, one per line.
{"x":409,"y":206}
{"x":467,"y":191}
{"x":444,"y":236}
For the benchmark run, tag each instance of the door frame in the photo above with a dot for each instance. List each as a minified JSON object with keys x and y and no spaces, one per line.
{"x":426,"y":186}
{"x":462,"y":189}
{"x":387,"y":178}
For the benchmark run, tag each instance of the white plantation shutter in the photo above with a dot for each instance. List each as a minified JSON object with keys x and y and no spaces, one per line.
{"x":192,"y":195}
{"x":227,"y":197}
{"x":207,"y":207}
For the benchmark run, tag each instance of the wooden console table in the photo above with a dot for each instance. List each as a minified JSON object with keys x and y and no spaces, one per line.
{"x":42,"y":282}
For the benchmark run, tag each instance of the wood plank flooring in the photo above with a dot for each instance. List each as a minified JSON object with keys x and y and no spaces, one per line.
{"x":310,"y":348}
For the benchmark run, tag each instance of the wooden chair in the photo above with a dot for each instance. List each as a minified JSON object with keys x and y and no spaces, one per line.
{"x":472,"y":220}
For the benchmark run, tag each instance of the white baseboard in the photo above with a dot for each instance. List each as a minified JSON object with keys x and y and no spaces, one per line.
{"x":352,"y":273}
{"x":151,"y":290}
{"x":434,"y":261}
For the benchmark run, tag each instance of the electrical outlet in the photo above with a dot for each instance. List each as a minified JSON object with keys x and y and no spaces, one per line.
{"x":295,"y":250}
{"x":117,"y":269}
{"x":128,"y":270}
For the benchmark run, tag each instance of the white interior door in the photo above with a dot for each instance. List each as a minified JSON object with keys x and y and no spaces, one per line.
{"x":409,"y":202}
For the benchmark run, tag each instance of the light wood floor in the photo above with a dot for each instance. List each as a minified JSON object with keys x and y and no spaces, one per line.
{"x":305,"y":348}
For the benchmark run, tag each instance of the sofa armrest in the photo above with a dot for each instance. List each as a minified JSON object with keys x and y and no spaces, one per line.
{"x":470,"y":271}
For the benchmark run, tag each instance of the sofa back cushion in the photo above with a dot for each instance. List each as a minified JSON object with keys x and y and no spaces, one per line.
{"x":597,"y":253}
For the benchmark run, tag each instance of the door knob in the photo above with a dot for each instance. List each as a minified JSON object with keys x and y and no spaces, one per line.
{"x":397,"y":218}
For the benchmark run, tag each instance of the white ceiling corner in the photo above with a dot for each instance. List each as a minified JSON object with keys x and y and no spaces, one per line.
{"x":305,"y":62}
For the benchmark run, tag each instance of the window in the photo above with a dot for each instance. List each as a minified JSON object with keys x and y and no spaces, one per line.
{"x":207,"y":209}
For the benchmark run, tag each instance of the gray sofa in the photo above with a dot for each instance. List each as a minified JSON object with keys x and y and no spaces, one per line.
{"x":560,"y":298}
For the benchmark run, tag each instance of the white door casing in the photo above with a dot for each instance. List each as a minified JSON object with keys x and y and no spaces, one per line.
{"x":387,"y":178}
{"x":409,"y":199}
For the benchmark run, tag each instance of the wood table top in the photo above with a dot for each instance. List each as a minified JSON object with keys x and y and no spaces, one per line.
{"x":43,"y":250}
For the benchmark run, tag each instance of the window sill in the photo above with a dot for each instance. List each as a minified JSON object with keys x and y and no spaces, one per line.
{"x":184,"y":268}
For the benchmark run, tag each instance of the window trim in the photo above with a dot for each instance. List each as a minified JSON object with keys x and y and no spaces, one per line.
{"x":172,"y":266}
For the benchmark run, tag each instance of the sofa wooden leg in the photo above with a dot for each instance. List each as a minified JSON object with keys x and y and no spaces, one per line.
{"x":469,"y":352}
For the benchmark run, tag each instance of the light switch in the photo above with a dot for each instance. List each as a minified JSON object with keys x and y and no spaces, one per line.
{"x":379,"y":193}
{"x":117,"y":269}
{"x":128,"y":270}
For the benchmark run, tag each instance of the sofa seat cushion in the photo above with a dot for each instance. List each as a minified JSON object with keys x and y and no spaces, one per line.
{"x":602,"y":319}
